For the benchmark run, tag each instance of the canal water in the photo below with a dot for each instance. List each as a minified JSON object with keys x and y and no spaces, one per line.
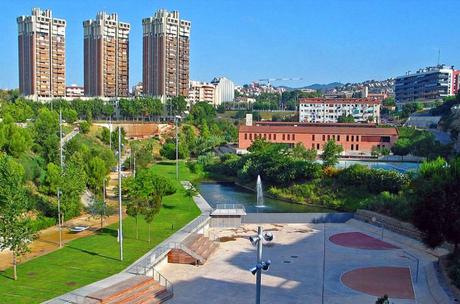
{"x":230,"y":193}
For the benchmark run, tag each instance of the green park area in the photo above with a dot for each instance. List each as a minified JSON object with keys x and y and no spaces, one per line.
{"x":95,"y":257}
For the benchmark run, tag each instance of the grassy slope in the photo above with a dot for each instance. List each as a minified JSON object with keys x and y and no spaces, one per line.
{"x":89,"y":259}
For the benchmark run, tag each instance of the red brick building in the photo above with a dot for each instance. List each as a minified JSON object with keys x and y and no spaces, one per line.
{"x":355,"y":138}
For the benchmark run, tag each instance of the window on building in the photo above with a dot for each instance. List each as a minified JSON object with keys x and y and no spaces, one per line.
{"x":348,"y":138}
{"x":274,"y":136}
{"x":313,"y":137}
{"x":317,"y":146}
{"x":324,"y":137}
{"x":265,"y":136}
{"x":352,"y":146}
{"x":338,"y":137}
{"x":269,"y":137}
{"x":284,"y":136}
{"x":250,"y":136}
{"x":328,"y":137}
{"x":293,"y":136}
{"x":357,"y":138}
{"x":312,"y":146}
{"x":289,"y":137}
{"x":357,"y":147}
{"x":333,"y":137}
{"x":352,"y":138}
{"x":245,"y":136}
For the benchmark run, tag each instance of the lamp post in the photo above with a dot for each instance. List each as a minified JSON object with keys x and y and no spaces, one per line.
{"x":120,"y":210}
{"x":176,"y":119}
{"x":257,"y":240}
{"x":61,"y":163}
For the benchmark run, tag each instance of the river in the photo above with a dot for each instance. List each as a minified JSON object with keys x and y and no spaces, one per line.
{"x":230,"y":193}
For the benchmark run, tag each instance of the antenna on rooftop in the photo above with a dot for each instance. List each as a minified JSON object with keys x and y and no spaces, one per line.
{"x":439,"y":56}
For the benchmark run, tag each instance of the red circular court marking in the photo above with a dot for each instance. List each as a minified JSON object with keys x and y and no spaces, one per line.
{"x":376,"y":281}
{"x":360,"y":240}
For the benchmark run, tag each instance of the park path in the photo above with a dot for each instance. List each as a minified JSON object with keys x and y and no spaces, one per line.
{"x":48,"y":239}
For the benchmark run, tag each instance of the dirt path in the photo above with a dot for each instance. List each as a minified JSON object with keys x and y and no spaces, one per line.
{"x":48,"y":239}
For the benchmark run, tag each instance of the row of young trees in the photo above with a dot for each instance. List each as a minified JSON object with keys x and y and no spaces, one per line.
{"x":139,"y":109}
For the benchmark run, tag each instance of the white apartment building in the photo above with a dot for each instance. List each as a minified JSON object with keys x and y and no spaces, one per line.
{"x":225,"y":90}
{"x":201,"y":91}
{"x":324,"y":110}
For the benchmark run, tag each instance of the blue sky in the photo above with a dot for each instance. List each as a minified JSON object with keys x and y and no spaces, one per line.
{"x":319,"y":41}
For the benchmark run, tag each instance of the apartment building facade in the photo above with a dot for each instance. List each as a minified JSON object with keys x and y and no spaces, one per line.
{"x":356,"y":139}
{"x":166,"y":55}
{"x":430,"y":83}
{"x":106,"y":56}
{"x":225,"y":90}
{"x":328,"y":110}
{"x":201,"y":91}
{"x":41,"y":54}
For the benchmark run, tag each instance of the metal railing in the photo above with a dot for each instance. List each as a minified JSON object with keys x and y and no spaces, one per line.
{"x":157,"y":276}
{"x":201,"y":220}
{"x":230,"y":206}
{"x":211,"y":235}
{"x":148,"y":261}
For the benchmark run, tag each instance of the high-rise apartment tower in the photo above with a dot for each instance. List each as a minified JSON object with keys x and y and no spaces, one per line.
{"x":41,"y":45}
{"x":106,"y":56}
{"x":166,"y":48}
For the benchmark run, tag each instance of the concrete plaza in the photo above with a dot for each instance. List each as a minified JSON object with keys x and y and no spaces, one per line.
{"x":306,"y":267}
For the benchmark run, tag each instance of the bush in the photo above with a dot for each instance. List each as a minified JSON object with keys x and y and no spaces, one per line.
{"x":84,"y":127}
{"x":375,"y":180}
{"x":394,"y":205}
{"x":454,"y":269}
{"x":42,"y":222}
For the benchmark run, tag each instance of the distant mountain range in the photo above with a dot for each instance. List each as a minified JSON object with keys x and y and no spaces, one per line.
{"x":317,"y":86}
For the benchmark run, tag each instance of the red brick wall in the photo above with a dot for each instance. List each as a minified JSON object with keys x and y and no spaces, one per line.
{"x":359,"y":143}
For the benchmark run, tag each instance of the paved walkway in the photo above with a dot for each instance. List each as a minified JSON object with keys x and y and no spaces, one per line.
{"x":306,"y":268}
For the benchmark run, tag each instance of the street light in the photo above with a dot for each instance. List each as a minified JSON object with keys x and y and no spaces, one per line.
{"x":374,"y":220}
{"x":257,"y":240}
{"x":176,"y":120}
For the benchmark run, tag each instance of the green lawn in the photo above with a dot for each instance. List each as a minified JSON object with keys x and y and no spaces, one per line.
{"x":90,"y":259}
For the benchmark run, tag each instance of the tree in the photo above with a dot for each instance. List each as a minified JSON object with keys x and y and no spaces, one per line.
{"x":84,"y":127}
{"x":300,"y":152}
{"x":177,"y":105}
{"x":331,"y":153}
{"x":69,"y":115}
{"x":46,"y":130}
{"x":146,"y":192}
{"x":15,"y":229}
{"x":436,"y":206}
{"x":72,"y":185}
{"x":14,"y":140}
{"x":99,"y":209}
{"x":346,"y":118}
{"x":97,"y":173}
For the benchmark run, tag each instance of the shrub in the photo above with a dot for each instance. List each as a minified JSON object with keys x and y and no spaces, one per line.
{"x":375,"y":180}
{"x":42,"y":222}
{"x":84,"y":127}
{"x":395,"y":205}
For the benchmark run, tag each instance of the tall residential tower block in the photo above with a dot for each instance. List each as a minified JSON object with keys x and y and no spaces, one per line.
{"x":106,"y":56}
{"x":41,"y":45}
{"x":166,"y":60}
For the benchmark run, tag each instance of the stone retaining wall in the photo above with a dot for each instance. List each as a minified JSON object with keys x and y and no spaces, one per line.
{"x":389,"y":223}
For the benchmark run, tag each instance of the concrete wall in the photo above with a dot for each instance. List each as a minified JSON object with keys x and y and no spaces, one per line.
{"x":268,"y":218}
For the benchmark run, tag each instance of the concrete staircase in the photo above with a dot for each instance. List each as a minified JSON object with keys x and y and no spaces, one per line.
{"x":196,"y":250}
{"x":138,"y":290}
